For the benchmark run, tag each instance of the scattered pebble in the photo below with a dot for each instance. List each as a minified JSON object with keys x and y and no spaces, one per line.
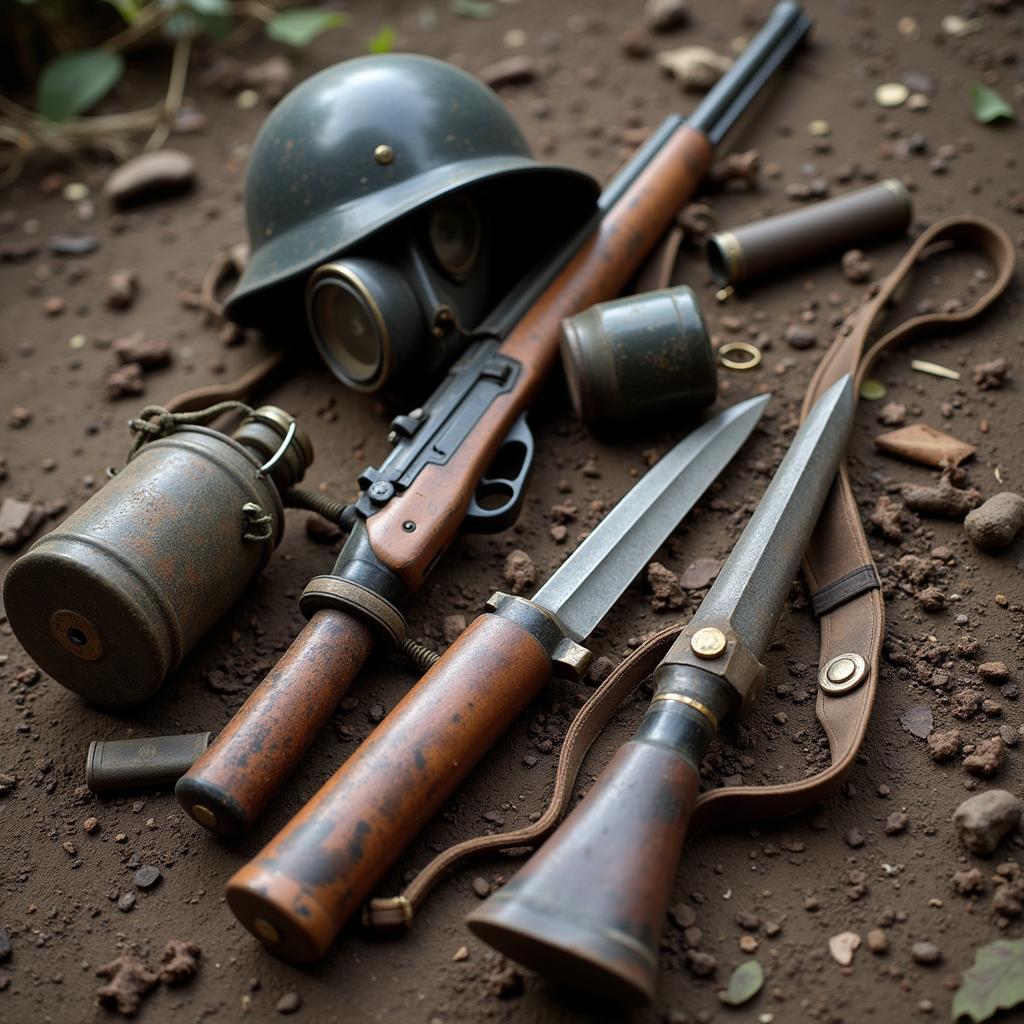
{"x":180,"y":961}
{"x":520,"y":572}
{"x":878,"y":941}
{"x":666,"y":591}
{"x":125,"y":381}
{"x":696,"y":68}
{"x":994,"y":524}
{"x":128,"y":981}
{"x":122,"y":289}
{"x":918,"y":721}
{"x":517,"y":70}
{"x":18,"y":521}
{"x":891,"y":94}
{"x":987,"y":758}
{"x":159,"y":173}
{"x":990,"y":375}
{"x":126,"y":902}
{"x":983,"y":819}
{"x":944,"y":745}
{"x":857,"y":268}
{"x":665,"y":15}
{"x":843,"y":946}
{"x":290,"y":1002}
{"x":147,"y":876}
{"x":925,"y":953}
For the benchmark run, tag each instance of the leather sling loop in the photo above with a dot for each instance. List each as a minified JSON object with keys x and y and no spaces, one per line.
{"x":837,"y":563}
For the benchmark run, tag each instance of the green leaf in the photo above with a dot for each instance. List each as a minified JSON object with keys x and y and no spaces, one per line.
{"x":872,"y":390}
{"x":994,"y":982}
{"x":128,"y":9}
{"x":208,"y":7}
{"x":384,"y":40}
{"x":988,"y":106}
{"x":299,"y":26}
{"x":745,"y":983}
{"x":479,"y":9}
{"x":71,"y":83}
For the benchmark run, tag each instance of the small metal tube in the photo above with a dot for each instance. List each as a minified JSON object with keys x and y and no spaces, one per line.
{"x":777,"y":243}
{"x":150,"y":762}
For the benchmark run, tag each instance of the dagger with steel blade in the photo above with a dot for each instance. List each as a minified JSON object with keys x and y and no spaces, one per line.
{"x":588,"y":908}
{"x":301,"y":889}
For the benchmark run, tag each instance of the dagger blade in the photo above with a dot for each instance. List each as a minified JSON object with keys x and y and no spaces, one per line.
{"x":751,"y":589}
{"x":593,"y":577}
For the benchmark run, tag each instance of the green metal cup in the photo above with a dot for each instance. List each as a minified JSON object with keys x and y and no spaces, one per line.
{"x":638,"y":359}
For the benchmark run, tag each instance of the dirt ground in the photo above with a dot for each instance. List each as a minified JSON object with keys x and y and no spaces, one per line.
{"x":785,"y":887}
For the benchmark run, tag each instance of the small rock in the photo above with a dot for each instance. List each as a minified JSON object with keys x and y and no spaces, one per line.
{"x":600,"y":669}
{"x":987,"y":758}
{"x":180,"y":961}
{"x":5,"y":945}
{"x":799,"y":337}
{"x":149,"y":353}
{"x":843,"y":946}
{"x":90,"y":825}
{"x":481,"y":887}
{"x":964,"y":703}
{"x":162,"y":172}
{"x":701,"y":573}
{"x":991,"y":374}
{"x":516,"y":70}
{"x":893,"y":414}
{"x":896,"y":823}
{"x":993,"y":671}
{"x":854,"y":838}
{"x":696,"y":68}
{"x":666,"y":591}
{"x":7,"y":783}
{"x":703,"y":965}
{"x":147,"y":876}
{"x":925,"y":953}
{"x":289,"y":1002}
{"x":968,"y":881}
{"x":129,"y":980}
{"x":126,"y":902}
{"x":122,"y":289}
{"x":665,"y":15}
{"x":993,"y":525}
{"x":878,"y":941}
{"x":520,"y":572}
{"x":73,"y":245}
{"x":505,"y":982}
{"x":634,"y":42}
{"x":856,"y":266}
{"x":462,"y":953}
{"x":918,"y":721}
{"x":888,"y":517}
{"x":18,"y":521}
{"x":985,"y":818}
{"x":125,"y":381}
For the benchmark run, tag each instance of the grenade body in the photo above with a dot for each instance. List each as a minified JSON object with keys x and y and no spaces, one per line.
{"x":110,"y":601}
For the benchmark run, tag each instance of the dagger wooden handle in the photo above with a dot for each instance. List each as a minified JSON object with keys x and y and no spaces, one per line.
{"x":298,"y":892}
{"x":231,"y":783}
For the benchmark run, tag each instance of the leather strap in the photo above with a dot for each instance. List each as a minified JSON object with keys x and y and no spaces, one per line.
{"x":838,"y":567}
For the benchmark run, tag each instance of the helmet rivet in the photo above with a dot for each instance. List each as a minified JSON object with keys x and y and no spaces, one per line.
{"x":708,"y":642}
{"x":384,"y":154}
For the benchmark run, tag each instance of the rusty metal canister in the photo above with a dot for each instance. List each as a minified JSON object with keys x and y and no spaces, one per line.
{"x":638,"y":358}
{"x":765,"y":247}
{"x":126,"y":766}
{"x":110,"y":601}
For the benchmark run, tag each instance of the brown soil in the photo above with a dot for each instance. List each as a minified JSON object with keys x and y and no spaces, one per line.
{"x":793,"y":884}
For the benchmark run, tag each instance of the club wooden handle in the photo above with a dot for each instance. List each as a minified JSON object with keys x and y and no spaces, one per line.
{"x":589,"y":906}
{"x":300,"y":890}
{"x":231,"y":783}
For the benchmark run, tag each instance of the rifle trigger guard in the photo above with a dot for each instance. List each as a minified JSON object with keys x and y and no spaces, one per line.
{"x":499,"y":495}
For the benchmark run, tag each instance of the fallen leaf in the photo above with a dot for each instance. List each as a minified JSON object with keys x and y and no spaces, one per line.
{"x":871,"y":390}
{"x":926,"y":445}
{"x":988,"y":106}
{"x":994,"y":982}
{"x":745,"y":983}
{"x":918,"y":721}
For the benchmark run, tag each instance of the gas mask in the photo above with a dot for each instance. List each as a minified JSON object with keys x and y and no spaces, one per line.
{"x":405,"y":301}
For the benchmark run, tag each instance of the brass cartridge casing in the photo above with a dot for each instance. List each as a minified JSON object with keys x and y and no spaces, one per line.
{"x":787,"y":240}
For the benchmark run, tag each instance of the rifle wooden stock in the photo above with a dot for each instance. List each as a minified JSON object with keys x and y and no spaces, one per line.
{"x":589,"y":906}
{"x":231,"y":783}
{"x":303,"y":887}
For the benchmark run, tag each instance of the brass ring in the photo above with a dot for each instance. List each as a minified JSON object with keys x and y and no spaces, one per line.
{"x":739,"y":364}
{"x":691,"y":702}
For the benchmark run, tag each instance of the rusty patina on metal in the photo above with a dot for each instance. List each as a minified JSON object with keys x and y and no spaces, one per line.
{"x":110,"y":602}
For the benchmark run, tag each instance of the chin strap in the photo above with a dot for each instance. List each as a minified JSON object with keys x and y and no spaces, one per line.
{"x":839,"y":570}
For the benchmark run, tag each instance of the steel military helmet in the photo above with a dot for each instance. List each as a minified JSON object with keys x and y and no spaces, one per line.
{"x":366,"y":142}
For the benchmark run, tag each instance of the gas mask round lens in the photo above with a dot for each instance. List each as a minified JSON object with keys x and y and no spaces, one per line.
{"x":455,"y":235}
{"x":359,"y":311}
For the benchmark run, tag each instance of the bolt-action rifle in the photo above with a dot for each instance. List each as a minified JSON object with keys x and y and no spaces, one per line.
{"x":438,"y":480}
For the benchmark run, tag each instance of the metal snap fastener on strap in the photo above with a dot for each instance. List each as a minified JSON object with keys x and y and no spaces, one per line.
{"x":843,"y":673}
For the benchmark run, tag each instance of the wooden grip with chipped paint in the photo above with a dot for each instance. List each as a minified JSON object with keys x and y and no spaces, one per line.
{"x":232,"y":782}
{"x":300,"y":890}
